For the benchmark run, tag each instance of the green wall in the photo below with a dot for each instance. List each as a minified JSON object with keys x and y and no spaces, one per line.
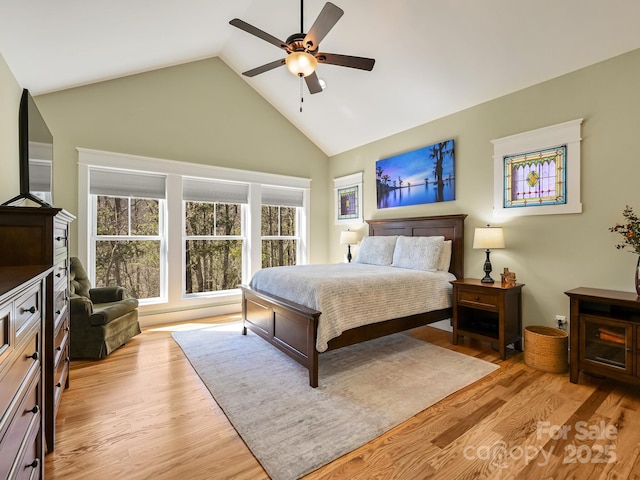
{"x":199,"y":112}
{"x":549,"y":253}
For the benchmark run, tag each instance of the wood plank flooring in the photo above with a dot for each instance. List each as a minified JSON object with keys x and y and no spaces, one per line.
{"x":143,"y":413}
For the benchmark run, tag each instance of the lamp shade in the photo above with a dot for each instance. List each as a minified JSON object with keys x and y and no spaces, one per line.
{"x":488,"y":238}
{"x":301,"y":63}
{"x":349,"y":237}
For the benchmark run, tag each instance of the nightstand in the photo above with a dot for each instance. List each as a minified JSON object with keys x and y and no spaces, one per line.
{"x":489,"y":312}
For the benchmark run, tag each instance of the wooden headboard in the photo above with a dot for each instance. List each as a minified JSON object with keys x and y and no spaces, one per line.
{"x":449,"y":226}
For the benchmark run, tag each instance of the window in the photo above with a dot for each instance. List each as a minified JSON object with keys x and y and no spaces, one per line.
{"x":279,"y":226}
{"x":213,"y":236}
{"x":182,"y":236}
{"x":538,"y":172}
{"x":129,"y":244}
{"x":279,"y":236}
{"x":213,"y":246}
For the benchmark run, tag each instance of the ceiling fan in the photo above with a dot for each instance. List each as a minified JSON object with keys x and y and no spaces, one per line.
{"x":302,"y":48}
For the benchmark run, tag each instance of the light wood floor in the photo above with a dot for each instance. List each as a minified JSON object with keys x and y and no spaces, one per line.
{"x":143,"y":413}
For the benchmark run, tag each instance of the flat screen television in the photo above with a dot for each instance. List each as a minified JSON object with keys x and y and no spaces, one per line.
{"x":35,"y":146}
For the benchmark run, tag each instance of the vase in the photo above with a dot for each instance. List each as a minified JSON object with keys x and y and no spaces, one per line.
{"x":637,"y":275}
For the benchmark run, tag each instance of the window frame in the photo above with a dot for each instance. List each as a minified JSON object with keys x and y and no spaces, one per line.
{"x":162,"y":237}
{"x":295,"y":237}
{"x":185,"y":238}
{"x":175,"y":307}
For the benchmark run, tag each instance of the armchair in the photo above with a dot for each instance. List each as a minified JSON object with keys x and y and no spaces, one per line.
{"x":102,"y":319}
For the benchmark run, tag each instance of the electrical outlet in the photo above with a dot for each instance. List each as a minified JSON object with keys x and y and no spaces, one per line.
{"x":561,"y":320}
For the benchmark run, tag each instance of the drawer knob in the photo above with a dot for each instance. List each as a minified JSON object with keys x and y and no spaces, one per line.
{"x":58,"y":238}
{"x":33,"y":410}
{"x":477,"y":299}
{"x":66,"y":329}
{"x":58,"y":384}
{"x":33,"y":464}
{"x":58,"y":275}
{"x":35,"y":356}
{"x":59,"y":347}
{"x":58,"y":312}
{"x":66,"y":359}
{"x":30,"y":310}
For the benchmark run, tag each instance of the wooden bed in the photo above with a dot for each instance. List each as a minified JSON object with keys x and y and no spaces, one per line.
{"x":292,"y":327}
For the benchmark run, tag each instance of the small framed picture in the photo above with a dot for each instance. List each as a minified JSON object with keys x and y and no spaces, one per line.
{"x":348,"y":192}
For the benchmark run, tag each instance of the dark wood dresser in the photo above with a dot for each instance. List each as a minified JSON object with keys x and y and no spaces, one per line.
{"x":40,"y":236}
{"x":22,"y":298}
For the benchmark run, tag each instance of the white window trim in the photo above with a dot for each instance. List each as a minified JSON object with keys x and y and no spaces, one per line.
{"x":162,"y":237}
{"x":567,"y":133}
{"x":175,"y":170}
{"x":295,"y":237}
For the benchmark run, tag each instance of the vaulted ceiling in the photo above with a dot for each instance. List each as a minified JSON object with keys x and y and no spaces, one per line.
{"x":433,"y":57}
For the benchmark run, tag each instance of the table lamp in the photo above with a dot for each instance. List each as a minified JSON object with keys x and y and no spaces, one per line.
{"x":348,"y":238}
{"x":488,"y":238}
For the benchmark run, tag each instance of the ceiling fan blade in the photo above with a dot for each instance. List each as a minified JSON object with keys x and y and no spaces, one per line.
{"x":327,"y":18}
{"x":242,"y":25}
{"x":346,"y":61}
{"x":313,"y":84}
{"x":264,"y":68}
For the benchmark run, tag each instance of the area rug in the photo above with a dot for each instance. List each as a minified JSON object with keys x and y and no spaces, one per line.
{"x":364,"y":390}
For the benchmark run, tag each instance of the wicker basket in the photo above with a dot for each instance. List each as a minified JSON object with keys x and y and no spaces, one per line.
{"x":546,"y":349}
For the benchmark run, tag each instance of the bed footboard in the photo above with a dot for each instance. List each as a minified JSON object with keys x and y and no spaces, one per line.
{"x":290,"y":327}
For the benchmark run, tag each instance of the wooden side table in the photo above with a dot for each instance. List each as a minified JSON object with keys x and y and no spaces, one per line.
{"x":489,"y":312}
{"x":605,"y":334}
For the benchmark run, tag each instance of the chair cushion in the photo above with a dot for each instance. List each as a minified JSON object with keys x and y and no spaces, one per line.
{"x":103,"y":313}
{"x":78,"y":281}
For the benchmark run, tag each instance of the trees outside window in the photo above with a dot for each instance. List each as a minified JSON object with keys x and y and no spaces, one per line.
{"x":128,"y":244}
{"x":279,"y":235}
{"x":213,"y":246}
{"x":178,"y":235}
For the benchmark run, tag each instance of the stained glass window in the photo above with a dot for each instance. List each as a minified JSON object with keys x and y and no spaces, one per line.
{"x":535,"y":178}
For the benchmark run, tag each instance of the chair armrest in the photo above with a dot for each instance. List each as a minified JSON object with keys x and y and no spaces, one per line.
{"x":107,"y":294}
{"x":80,"y":307}
{"x":105,"y":313}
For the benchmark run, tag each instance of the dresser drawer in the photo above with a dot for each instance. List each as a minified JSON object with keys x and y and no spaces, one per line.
{"x":60,"y":379}
{"x":478,"y":299}
{"x":61,"y":274}
{"x":60,"y":306}
{"x":60,"y":235}
{"x":28,"y":307}
{"x":60,"y":343}
{"x":25,"y":417}
{"x":30,"y":469}
{"x":24,"y":366}
{"x":5,"y":332}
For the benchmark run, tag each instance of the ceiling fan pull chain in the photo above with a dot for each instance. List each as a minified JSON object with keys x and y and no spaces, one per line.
{"x":301,"y":93}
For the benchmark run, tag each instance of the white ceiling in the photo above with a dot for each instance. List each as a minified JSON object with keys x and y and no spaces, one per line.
{"x":433,"y":57}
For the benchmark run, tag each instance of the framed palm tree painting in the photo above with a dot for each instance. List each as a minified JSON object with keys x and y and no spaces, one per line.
{"x":425,"y":175}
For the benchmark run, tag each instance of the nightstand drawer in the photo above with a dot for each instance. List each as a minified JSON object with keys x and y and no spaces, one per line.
{"x":477,"y":299}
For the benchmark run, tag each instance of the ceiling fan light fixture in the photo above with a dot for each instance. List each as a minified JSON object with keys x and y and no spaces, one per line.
{"x":301,"y":63}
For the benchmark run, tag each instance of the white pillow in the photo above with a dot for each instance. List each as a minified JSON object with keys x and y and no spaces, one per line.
{"x":376,"y":250}
{"x":418,"y":253}
{"x":445,"y":257}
